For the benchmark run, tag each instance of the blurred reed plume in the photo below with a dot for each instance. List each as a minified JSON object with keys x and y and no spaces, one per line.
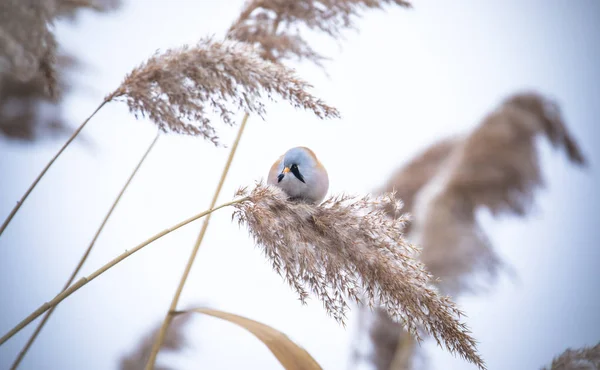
{"x":27,"y":112}
{"x":27,"y":45}
{"x":32,"y":70}
{"x":176,"y":88}
{"x":347,"y":248}
{"x":495,"y":167}
{"x":587,"y":358}
{"x":174,"y":341}
{"x":274,"y":25}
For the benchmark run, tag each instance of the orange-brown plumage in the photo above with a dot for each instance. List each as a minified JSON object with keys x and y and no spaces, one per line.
{"x":300,"y":174}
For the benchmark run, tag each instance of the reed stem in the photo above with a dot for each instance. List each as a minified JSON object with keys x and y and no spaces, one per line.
{"x":84,"y":280}
{"x":169,"y":316}
{"x":39,"y":177}
{"x":46,"y":317}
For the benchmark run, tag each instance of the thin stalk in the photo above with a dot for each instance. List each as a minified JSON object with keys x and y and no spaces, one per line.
{"x":169,"y":316}
{"x":20,"y":202}
{"x":84,"y":280}
{"x":403,"y":353}
{"x":38,"y":329}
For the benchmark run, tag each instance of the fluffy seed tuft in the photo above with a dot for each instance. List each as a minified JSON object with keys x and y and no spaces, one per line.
{"x":348,"y":248}
{"x":177,"y":88}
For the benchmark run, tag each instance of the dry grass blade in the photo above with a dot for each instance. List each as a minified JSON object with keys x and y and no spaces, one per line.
{"x":587,"y":358}
{"x":174,"y":341}
{"x":178,"y":88}
{"x":347,"y":248}
{"x":289,"y":354}
{"x":260,"y":18}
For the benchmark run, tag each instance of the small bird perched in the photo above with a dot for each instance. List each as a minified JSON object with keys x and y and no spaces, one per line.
{"x":300,"y":174}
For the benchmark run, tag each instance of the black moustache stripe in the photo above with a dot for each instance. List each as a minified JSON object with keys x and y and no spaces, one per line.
{"x":297,"y":173}
{"x":280,"y":177}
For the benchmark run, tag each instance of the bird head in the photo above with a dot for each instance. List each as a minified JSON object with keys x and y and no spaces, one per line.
{"x":300,"y":174}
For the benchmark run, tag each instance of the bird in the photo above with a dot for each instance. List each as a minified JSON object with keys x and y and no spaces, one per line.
{"x":300,"y":175}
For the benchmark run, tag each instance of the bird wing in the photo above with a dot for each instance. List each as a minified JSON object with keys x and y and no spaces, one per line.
{"x":274,"y":171}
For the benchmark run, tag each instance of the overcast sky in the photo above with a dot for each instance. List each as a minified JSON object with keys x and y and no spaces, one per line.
{"x":406,"y":80}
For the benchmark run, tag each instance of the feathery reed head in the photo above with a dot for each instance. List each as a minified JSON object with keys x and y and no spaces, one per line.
{"x":586,"y":358}
{"x":273,"y":25}
{"x":27,"y":45}
{"x":27,"y":112}
{"x":496,"y":167}
{"x":178,"y":87}
{"x":347,"y":248}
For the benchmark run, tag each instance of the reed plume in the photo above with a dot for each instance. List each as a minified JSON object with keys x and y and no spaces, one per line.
{"x":586,"y":358}
{"x":27,"y":44}
{"x":178,"y":88}
{"x":33,"y":79}
{"x":495,"y":167}
{"x":21,"y":113}
{"x":347,"y":248}
{"x":274,"y":25}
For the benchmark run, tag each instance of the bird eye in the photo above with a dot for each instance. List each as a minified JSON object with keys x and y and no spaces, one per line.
{"x":294,"y":166}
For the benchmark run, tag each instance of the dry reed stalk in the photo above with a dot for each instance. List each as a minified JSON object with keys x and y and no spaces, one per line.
{"x":39,"y":177}
{"x":586,"y":358}
{"x":174,"y":341}
{"x":87,"y":252}
{"x":85,"y":280}
{"x":169,"y":316}
{"x":348,"y":248}
{"x":176,"y":87}
{"x":495,"y":167}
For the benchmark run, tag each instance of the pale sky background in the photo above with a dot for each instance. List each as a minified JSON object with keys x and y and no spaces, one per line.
{"x":407,"y":79}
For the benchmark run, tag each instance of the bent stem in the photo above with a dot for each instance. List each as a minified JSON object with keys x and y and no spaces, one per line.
{"x":84,"y":280}
{"x":38,"y":329}
{"x":169,"y":316}
{"x":35,"y":182}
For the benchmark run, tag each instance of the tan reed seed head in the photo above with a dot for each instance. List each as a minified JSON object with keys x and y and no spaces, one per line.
{"x":274,"y":25}
{"x":179,"y":87}
{"x":495,"y":166}
{"x":27,"y":44}
{"x":32,"y":73}
{"x":586,"y":358}
{"x":26,"y":110}
{"x":347,"y":248}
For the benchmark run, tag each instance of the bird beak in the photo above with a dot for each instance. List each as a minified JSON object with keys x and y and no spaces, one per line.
{"x":282,"y":174}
